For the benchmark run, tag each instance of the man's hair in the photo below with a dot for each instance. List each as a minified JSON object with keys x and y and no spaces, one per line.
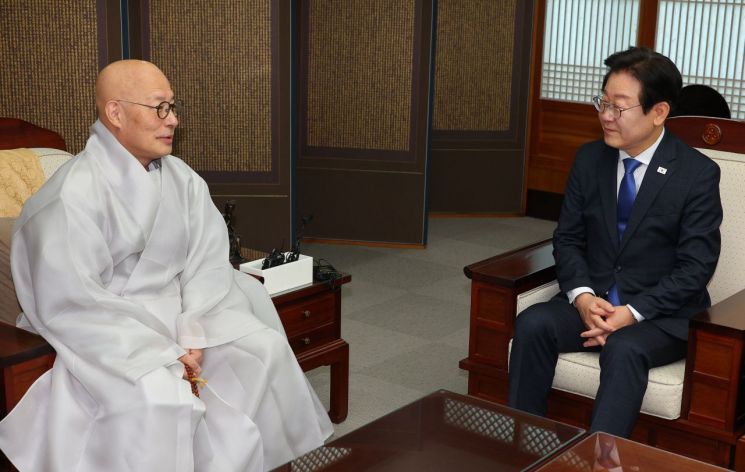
{"x":659,"y":78}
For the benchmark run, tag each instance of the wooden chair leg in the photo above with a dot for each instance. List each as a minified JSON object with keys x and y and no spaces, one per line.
{"x":336,"y":355}
{"x":740,"y":454}
{"x":340,"y":385}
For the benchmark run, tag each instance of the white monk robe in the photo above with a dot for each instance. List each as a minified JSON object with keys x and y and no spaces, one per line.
{"x":120,"y":275}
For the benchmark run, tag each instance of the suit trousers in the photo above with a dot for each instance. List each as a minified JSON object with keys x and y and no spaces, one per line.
{"x":546,"y":329}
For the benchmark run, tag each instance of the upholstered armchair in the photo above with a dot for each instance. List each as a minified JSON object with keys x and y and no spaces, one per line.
{"x":23,"y":356}
{"x":694,"y":407}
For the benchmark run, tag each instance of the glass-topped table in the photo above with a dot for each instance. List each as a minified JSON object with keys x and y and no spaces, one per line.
{"x":603,"y":452}
{"x":443,"y":431}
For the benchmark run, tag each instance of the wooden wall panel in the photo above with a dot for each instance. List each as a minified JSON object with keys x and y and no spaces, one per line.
{"x":52,"y":51}
{"x":358,"y":88}
{"x":474,"y":65}
{"x":364,"y":85}
{"x":480,"y":106}
{"x":229,"y":61}
{"x":559,"y":129}
{"x":218,"y":57}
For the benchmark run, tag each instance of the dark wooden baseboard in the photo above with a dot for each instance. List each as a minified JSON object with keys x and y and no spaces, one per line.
{"x":346,"y":242}
{"x":544,"y":205}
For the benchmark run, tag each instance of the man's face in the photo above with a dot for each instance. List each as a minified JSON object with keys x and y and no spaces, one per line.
{"x":634,"y":131}
{"x":143,"y":133}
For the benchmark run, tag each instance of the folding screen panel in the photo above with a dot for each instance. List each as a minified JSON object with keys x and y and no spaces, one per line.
{"x":229,"y":62}
{"x":480,"y":106}
{"x":52,"y":51}
{"x":363,"y":111}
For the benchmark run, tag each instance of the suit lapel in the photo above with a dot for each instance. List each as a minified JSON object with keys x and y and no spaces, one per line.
{"x":607,"y":175}
{"x":651,"y":185}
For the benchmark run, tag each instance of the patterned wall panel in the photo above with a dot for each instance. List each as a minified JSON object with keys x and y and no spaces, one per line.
{"x":49,"y":56}
{"x":473,"y":65}
{"x":359,"y":78}
{"x":218,"y":56}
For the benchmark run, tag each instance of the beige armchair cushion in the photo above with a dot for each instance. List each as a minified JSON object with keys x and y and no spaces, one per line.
{"x":21,"y":176}
{"x":579,"y":372}
{"x":9,"y":308}
{"x":729,"y":277}
{"x":50,"y":160}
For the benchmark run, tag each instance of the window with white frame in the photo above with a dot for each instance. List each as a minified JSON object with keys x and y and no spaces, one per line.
{"x":706,"y":40}
{"x":578,"y":36}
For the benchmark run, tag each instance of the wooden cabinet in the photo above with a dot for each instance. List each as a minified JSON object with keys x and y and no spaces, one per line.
{"x":311,"y":316}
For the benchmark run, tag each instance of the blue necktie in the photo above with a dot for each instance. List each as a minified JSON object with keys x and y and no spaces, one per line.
{"x":626,"y":196}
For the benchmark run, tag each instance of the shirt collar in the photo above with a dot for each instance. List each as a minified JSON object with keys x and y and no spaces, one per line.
{"x":155,"y":164}
{"x":645,"y":157}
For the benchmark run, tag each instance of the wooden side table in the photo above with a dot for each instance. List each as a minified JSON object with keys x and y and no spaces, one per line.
{"x":311,"y":316}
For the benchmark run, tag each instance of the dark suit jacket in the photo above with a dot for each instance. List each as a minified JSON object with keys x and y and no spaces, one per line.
{"x":671,"y":244}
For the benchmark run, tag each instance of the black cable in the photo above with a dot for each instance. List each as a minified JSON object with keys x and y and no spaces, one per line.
{"x":325,"y":272}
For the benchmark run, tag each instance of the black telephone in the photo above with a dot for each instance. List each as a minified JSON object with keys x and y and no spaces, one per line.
{"x":278,"y":257}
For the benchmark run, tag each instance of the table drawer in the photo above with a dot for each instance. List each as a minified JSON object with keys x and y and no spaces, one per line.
{"x":307,"y":314}
{"x":312,"y":339}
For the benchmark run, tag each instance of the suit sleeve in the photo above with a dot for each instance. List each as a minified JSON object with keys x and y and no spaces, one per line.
{"x":697,"y":250}
{"x":570,"y":236}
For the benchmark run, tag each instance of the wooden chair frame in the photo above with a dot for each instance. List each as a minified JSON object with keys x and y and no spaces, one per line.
{"x":712,"y":420}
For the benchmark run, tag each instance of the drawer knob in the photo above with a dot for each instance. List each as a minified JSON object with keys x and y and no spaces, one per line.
{"x":306,"y":314}
{"x":306,"y":341}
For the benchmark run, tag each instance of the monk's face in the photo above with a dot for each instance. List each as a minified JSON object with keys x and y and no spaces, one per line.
{"x":143,"y":133}
{"x":127,"y":94}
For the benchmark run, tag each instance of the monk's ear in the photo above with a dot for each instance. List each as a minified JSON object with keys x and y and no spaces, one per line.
{"x":114,"y":113}
{"x":661,"y":111}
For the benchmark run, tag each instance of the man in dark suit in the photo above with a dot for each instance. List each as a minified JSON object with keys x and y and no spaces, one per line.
{"x":636,"y":243}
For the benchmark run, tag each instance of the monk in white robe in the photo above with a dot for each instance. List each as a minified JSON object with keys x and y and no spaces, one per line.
{"x":120,"y":262}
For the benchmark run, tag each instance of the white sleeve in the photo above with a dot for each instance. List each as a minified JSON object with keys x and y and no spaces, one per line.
{"x":215,"y":309}
{"x":59,"y":261}
{"x":574,"y":293}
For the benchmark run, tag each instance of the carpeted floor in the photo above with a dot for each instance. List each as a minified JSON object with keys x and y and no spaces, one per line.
{"x":405,"y":313}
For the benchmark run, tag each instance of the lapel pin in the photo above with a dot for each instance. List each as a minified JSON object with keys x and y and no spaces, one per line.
{"x":662,"y":170}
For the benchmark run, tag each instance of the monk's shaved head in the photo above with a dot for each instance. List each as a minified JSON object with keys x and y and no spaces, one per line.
{"x":127,"y":96}
{"x":125,"y":80}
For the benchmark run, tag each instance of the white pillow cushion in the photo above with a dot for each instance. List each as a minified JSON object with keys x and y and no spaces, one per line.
{"x":51,"y":159}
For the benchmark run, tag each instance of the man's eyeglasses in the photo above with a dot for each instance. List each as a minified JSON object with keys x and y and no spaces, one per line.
{"x":615,"y":111}
{"x":163,"y":108}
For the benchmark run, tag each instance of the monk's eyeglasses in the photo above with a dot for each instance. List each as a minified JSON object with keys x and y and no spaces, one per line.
{"x":163,"y":108}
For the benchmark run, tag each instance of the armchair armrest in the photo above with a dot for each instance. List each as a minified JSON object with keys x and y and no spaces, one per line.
{"x":18,"y":345}
{"x":496,"y":283}
{"x":715,"y":372}
{"x":24,"y":357}
{"x":521,"y":269}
